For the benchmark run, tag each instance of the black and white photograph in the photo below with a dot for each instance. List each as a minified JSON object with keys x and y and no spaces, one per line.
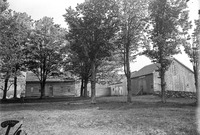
{"x":99,"y":67}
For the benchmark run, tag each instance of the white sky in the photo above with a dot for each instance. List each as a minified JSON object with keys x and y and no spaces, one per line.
{"x":51,"y":8}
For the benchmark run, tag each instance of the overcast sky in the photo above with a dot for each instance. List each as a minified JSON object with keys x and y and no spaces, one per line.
{"x":40,"y":8}
{"x":51,"y":8}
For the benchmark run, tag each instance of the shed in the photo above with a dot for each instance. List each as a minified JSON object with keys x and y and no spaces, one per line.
{"x":102,"y":89}
{"x":178,"y":77}
{"x":55,"y":86}
{"x":119,"y":88}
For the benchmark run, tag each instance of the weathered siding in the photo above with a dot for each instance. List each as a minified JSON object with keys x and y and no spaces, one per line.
{"x":156,"y":82}
{"x":32,"y":90}
{"x":60,"y":89}
{"x":119,"y":89}
{"x":101,"y":89}
{"x":51,"y":89}
{"x":177,"y":77}
{"x":144,"y":83}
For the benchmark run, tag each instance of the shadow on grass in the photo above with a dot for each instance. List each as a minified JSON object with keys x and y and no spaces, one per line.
{"x":77,"y":103}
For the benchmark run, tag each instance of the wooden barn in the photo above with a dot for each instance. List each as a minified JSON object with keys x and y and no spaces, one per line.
{"x":54,"y":86}
{"x":119,"y":89}
{"x":102,"y":89}
{"x":178,"y":78}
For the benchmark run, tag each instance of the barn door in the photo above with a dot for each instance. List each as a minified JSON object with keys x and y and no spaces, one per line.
{"x":142,"y":86}
{"x":51,"y":91}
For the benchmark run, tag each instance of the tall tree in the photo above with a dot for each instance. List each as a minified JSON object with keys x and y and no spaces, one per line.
{"x":19,"y":39}
{"x":94,"y":23}
{"x":132,"y":16}
{"x":191,"y":48}
{"x":166,"y":33}
{"x":13,"y":34}
{"x":3,"y":20}
{"x":43,"y":51}
{"x":78,"y":64}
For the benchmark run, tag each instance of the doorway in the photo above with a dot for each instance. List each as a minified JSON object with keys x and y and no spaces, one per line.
{"x":142,"y":86}
{"x":51,"y":90}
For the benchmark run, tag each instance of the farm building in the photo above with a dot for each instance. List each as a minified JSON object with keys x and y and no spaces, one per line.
{"x":178,"y":77}
{"x":119,"y":89}
{"x":54,"y":86}
{"x":102,"y":89}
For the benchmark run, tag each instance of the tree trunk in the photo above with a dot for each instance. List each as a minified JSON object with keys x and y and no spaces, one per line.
{"x":43,"y":89}
{"x":127,"y":71}
{"x":85,"y":87}
{"x":93,"y":82}
{"x":15,"y":87}
{"x":163,"y":83}
{"x":5,"y":86}
{"x":82,"y":88}
{"x":196,"y":78}
{"x":128,"y":76}
{"x":198,"y":74}
{"x":129,"y":96}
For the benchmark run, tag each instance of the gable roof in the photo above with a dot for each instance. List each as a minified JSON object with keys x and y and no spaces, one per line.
{"x":31,"y":77}
{"x":183,"y":65}
{"x":149,"y":69}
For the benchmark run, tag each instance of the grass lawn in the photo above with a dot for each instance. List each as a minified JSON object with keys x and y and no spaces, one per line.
{"x":110,"y":116}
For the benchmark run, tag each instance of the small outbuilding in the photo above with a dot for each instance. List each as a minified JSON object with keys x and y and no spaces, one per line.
{"x":178,"y":77}
{"x":119,"y":89}
{"x":55,"y":86}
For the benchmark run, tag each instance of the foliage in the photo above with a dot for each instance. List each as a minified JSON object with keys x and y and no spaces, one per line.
{"x":192,"y":50}
{"x":167,"y":18}
{"x":3,"y":6}
{"x":92,"y":27}
{"x":43,"y":49}
{"x":14,"y":30}
{"x":132,"y":21}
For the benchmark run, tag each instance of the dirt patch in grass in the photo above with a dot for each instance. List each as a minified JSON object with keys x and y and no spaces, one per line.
{"x":146,"y":115}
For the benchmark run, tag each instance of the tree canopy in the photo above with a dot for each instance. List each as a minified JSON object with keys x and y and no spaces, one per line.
{"x":43,"y":49}
{"x":92,"y":26}
{"x":166,"y":18}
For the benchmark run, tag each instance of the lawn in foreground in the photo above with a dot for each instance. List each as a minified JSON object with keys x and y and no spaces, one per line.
{"x":110,"y":116}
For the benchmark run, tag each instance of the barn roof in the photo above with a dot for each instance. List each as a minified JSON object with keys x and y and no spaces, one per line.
{"x":149,"y":69}
{"x":145,"y":70}
{"x":183,"y":65}
{"x":31,"y":77}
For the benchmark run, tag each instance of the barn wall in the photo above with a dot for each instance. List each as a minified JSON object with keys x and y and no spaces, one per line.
{"x":119,"y":89}
{"x":145,"y":82}
{"x":179,"y":78}
{"x":156,"y":82}
{"x":32,"y":90}
{"x":101,"y":90}
{"x":59,"y":89}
